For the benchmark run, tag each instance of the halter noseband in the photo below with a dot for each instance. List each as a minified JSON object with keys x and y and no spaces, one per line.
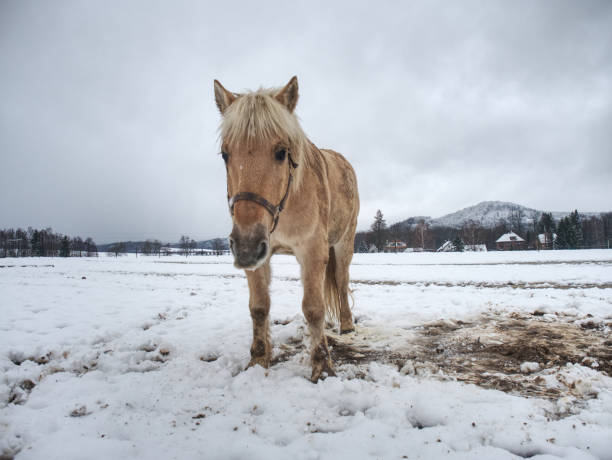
{"x":260,"y":200}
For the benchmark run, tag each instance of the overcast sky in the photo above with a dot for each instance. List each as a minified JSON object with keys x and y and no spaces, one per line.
{"x":108,"y":126}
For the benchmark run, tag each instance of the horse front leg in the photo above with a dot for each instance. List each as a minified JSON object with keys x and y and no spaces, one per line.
{"x":259,"y":305}
{"x":313,"y":306}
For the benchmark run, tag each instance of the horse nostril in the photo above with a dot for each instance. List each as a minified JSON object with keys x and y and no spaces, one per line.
{"x":231,"y":244}
{"x":261,"y":250}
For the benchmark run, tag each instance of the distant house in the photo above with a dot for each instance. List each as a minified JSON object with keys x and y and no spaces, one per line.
{"x":475,"y":247}
{"x":510,"y":242}
{"x":546,"y":240}
{"x":168,"y":251}
{"x":395,"y":246}
{"x":210,"y":252}
{"x":448,"y":246}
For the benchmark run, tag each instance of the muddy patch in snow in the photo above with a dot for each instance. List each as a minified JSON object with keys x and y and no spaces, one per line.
{"x":531,"y":355}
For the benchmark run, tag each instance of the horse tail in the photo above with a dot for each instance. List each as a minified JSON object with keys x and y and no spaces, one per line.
{"x":331,"y":291}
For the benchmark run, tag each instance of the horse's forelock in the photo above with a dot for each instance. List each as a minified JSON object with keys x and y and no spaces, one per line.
{"x":256,"y":117}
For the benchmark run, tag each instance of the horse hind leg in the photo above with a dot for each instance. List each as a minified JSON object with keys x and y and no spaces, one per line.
{"x":343,"y":253}
{"x":313,"y":306}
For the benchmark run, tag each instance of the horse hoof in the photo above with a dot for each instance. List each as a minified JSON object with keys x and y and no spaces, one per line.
{"x":347,"y":330}
{"x":265,"y":363}
{"x":321,"y":371}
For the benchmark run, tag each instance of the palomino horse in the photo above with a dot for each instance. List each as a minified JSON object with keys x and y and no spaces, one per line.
{"x":287,"y":196}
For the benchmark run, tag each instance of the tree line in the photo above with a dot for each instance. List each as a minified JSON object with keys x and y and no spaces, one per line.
{"x":147,"y":248}
{"x":43,"y":243}
{"x":574,"y":231}
{"x":186,"y":246}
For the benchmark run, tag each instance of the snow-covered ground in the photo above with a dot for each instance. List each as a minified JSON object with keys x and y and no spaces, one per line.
{"x":456,"y":355}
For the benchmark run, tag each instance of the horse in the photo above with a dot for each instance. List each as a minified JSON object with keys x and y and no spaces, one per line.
{"x":286,"y":196}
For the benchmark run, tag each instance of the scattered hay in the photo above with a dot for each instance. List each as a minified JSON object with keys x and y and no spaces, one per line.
{"x":490,"y":351}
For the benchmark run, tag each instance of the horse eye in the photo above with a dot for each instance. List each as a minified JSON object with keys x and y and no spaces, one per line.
{"x":224,"y":156}
{"x":280,"y":154}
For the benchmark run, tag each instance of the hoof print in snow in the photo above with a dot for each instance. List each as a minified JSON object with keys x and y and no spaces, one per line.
{"x":162,"y":357}
{"x":19,"y":393}
{"x":282,"y":322}
{"x":148,"y":347}
{"x":164,"y":351}
{"x":209,"y":358}
{"x":80,"y":411}
{"x":16,"y":358}
{"x":27,"y":385}
{"x":44,"y":359}
{"x":19,"y":358}
{"x":9,"y":453}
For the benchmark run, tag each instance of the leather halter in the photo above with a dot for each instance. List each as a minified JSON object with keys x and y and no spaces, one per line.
{"x":260,"y":200}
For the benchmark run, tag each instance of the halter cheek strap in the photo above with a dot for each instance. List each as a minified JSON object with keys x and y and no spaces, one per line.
{"x":260,"y":200}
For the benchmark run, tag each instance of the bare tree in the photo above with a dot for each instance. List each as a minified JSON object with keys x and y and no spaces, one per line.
{"x":91,"y":248}
{"x":117,"y":248}
{"x":422,"y":232}
{"x":516,"y":219}
{"x":218,"y":246}
{"x":187,"y":245}
{"x":471,"y":232}
{"x":156,"y":247}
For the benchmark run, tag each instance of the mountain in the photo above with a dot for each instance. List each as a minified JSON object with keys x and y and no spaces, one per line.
{"x":487,"y":214}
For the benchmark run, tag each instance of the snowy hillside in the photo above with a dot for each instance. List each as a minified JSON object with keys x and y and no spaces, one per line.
{"x":487,"y":214}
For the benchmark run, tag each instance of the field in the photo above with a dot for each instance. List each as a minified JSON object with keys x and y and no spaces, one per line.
{"x":485,"y":355}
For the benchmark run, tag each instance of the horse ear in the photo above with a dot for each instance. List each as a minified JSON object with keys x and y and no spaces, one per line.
{"x":288,"y":96}
{"x":223,"y":97}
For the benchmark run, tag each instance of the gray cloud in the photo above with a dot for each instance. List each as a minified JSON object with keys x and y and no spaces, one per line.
{"x":108,"y":125}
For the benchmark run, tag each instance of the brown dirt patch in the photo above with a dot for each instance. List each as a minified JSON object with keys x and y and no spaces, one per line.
{"x":487,"y":351}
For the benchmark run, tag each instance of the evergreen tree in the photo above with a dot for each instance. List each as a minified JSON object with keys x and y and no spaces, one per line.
{"x":566,"y":236}
{"x":35,"y":243}
{"x":458,"y":245}
{"x":65,"y":247}
{"x":379,"y":230}
{"x":574,"y":219}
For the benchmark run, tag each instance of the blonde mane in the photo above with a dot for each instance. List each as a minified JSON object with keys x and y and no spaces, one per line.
{"x":257,"y":116}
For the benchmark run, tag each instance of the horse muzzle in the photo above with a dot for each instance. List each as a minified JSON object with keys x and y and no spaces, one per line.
{"x":249,"y":248}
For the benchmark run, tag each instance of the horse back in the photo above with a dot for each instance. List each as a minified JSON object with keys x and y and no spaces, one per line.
{"x":343,"y":195}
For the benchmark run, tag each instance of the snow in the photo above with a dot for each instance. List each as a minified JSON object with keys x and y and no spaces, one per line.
{"x":144,"y":358}
{"x":528,"y":367}
{"x":543,"y":238}
{"x":507,"y":237}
